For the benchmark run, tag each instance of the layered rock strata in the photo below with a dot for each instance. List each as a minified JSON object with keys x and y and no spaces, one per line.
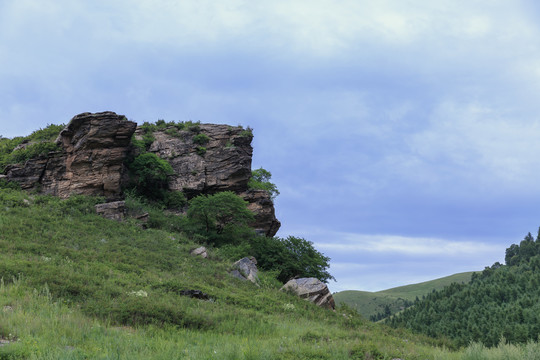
{"x":312,"y":290}
{"x":206,"y":159}
{"x":221,"y":163}
{"x":91,"y":162}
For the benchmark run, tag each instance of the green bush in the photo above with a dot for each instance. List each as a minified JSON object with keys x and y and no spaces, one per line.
{"x":151,"y":173}
{"x":260,"y":180}
{"x":292,"y":257}
{"x":201,"y":139}
{"x":221,"y":218}
{"x":200,"y":150}
{"x":49,"y":133}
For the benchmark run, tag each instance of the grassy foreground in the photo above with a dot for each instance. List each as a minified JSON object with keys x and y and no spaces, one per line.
{"x":76,"y":286}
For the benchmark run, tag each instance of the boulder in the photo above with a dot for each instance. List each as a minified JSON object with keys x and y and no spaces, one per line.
{"x":313,"y":290}
{"x":246,"y":269}
{"x":200,"y":251}
{"x":115,"y":210}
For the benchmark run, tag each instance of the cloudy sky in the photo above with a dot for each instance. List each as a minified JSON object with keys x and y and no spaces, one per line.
{"x":402,"y":134}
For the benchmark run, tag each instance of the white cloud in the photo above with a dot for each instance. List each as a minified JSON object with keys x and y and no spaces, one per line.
{"x":415,"y":246}
{"x":479,"y":144}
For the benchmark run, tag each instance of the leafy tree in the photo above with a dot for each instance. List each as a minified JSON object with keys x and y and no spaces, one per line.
{"x":260,"y":180}
{"x":151,"y":174}
{"x":292,"y":257}
{"x":220,"y":218}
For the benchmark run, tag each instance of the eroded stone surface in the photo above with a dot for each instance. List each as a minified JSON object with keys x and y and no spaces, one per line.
{"x":115,"y":210}
{"x":94,"y":147}
{"x":224,"y":166}
{"x":313,"y":290}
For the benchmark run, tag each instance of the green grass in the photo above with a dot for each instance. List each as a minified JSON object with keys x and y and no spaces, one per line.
{"x":77,"y":286}
{"x":370,"y":303}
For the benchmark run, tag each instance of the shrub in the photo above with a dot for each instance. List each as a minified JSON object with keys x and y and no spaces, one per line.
{"x":200,"y":150}
{"x":292,"y":257}
{"x":49,"y":133}
{"x":260,"y":180}
{"x":151,"y":174}
{"x":175,"y":200}
{"x":201,"y":139}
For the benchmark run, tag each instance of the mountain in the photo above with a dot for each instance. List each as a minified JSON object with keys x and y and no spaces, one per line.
{"x":370,"y":304}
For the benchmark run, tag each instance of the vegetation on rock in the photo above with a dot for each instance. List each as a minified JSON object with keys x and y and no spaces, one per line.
{"x":20,"y":149}
{"x":260,"y":180}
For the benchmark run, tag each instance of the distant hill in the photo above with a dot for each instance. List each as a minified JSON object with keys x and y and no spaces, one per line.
{"x":370,"y":304}
{"x":502,"y":301}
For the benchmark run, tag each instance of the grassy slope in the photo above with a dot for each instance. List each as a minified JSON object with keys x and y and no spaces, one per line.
{"x":370,"y":303}
{"x":70,"y":285}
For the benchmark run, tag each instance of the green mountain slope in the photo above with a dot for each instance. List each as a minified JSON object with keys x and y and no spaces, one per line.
{"x":369,"y":304}
{"x":503,"y":301}
{"x":77,"y":286}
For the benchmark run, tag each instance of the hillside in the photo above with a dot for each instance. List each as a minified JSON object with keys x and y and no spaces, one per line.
{"x":369,"y":304}
{"x":78,"y":286}
{"x":124,"y":285}
{"x":500,"y":302}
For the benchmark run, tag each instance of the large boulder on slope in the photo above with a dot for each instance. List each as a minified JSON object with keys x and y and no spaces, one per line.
{"x":313,"y":290}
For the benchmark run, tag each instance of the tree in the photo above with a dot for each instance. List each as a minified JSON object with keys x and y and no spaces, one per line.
{"x":292,"y":257}
{"x":151,"y":174}
{"x":260,"y":180}
{"x":220,"y":218}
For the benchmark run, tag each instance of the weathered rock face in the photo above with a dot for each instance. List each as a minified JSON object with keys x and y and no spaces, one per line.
{"x":225,"y":165}
{"x":94,"y":147}
{"x":206,"y":159}
{"x":312,"y":290}
{"x":261,"y":204}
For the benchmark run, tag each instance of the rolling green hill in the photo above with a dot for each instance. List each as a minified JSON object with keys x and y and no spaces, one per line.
{"x":502,"y":301}
{"x":371,"y":303}
{"x":78,"y":286}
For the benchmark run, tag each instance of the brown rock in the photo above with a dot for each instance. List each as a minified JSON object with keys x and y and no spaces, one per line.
{"x":225,"y":166}
{"x":115,"y":210}
{"x":312,"y":290}
{"x":91,"y":163}
{"x":261,"y":204}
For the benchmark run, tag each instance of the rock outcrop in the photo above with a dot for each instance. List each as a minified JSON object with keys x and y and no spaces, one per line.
{"x":260,"y":203}
{"x":206,"y":159}
{"x":91,"y":160}
{"x":222,"y":162}
{"x":312,"y":290}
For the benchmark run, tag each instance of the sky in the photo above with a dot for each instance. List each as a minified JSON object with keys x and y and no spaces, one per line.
{"x":402,"y":134}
